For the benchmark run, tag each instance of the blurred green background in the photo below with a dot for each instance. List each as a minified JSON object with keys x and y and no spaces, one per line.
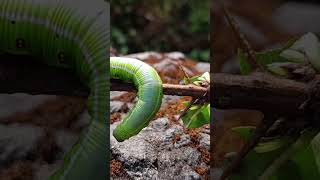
{"x":163,"y":26}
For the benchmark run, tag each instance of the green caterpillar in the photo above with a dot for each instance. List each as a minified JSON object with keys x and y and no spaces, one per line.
{"x":150,"y":94}
{"x":68,"y":34}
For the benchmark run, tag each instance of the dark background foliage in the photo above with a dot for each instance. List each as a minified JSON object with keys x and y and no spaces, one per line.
{"x":155,"y":25}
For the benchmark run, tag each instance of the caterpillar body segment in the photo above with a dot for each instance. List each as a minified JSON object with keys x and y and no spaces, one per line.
{"x":68,"y":34}
{"x":150,"y":94}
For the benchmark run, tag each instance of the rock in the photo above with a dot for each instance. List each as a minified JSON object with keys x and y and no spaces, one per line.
{"x":167,"y":66}
{"x":205,"y":141}
{"x":183,"y":141}
{"x":12,"y":103}
{"x":178,"y":162}
{"x":116,"y":106}
{"x":145,"y":55}
{"x":114,"y":94}
{"x":169,"y":99}
{"x":152,"y":155}
{"x":175,"y":55}
{"x":187,"y":71}
{"x":130,"y":105}
{"x":83,"y":121}
{"x":65,"y":140}
{"x":170,"y":133}
{"x":137,"y":155}
{"x":146,"y":174}
{"x":191,"y":156}
{"x":203,"y":67}
{"x":191,"y":175}
{"x":17,"y":142}
{"x":160,"y":124}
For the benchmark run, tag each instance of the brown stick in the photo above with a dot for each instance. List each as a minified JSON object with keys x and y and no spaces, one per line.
{"x":168,"y":89}
{"x":25,"y":75}
{"x":256,"y":91}
{"x":245,"y":45}
{"x":259,"y":91}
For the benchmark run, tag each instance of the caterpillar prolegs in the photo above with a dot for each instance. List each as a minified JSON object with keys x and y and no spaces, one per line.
{"x":73,"y":34}
{"x":150,"y":94}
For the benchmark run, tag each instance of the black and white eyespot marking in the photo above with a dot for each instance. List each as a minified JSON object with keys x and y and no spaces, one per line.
{"x":20,"y":43}
{"x":61,"y":57}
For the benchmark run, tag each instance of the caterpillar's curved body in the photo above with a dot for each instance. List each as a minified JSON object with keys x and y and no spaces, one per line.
{"x":74,"y":34}
{"x":149,"y":86}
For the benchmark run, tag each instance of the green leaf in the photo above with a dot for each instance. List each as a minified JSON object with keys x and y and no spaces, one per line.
{"x":282,"y":173}
{"x":315,"y":144}
{"x":305,"y":160}
{"x":245,"y":67}
{"x":205,"y":77}
{"x":277,"y":68}
{"x":291,"y":160}
{"x":274,"y":56}
{"x":293,"y":55}
{"x":245,"y":132}
{"x":301,"y":155}
{"x":186,"y":103}
{"x":271,"y":145}
{"x":263,"y":58}
{"x":199,"y":80}
{"x":197,"y":116}
{"x":310,"y":45}
{"x":254,"y":164}
{"x":268,"y":57}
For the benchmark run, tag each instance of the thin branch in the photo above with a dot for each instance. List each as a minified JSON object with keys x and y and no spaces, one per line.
{"x":168,"y":89}
{"x":256,"y":91}
{"x":244,"y":43}
{"x":259,"y":91}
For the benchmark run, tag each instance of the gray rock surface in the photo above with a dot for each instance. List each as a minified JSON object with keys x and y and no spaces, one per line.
{"x":114,"y":94}
{"x":165,"y":66}
{"x":175,"y":55}
{"x":17,"y":142}
{"x":183,"y":141}
{"x":144,"y":55}
{"x":116,"y":106}
{"x":20,"y":141}
{"x":152,"y":154}
{"x":205,"y":141}
{"x":203,"y":67}
{"x":168,"y":65}
{"x":11,"y":103}
{"x":168,"y":99}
